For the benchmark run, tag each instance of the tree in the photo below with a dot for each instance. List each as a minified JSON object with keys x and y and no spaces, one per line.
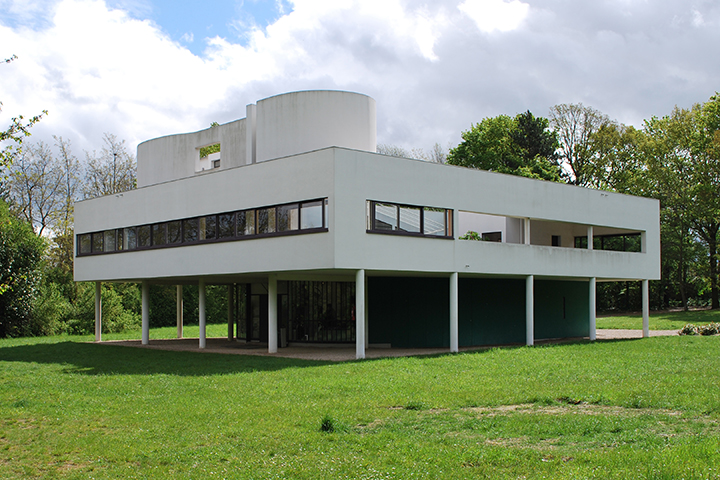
{"x":574,"y":125}
{"x":519,"y":146}
{"x":21,"y":253}
{"x":111,"y":171}
{"x":683,"y":161}
{"x":35,"y":186}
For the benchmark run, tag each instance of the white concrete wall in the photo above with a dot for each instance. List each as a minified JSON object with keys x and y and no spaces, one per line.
{"x":348,"y":178}
{"x":303,"y":177}
{"x":361,"y":176}
{"x":175,"y":156}
{"x":303,"y":121}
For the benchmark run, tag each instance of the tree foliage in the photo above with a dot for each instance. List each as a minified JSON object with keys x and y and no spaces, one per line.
{"x":21,"y":253}
{"x":522,"y":145}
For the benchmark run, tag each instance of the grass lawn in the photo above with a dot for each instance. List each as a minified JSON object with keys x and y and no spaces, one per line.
{"x":660,"y":320}
{"x":640,"y":409}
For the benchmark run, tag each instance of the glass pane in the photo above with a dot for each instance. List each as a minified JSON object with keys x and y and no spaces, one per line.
{"x":130,"y":239}
{"x":159,"y":236}
{"x":410,"y":219}
{"x":311,"y":215}
{"x":85,"y":242}
{"x":288,"y":217}
{"x":174,"y":232}
{"x":250,"y":222}
{"x":207,"y":227}
{"x":266,"y":220}
{"x":226,"y":225}
{"x":109,"y":241}
{"x":240,"y":219}
{"x":143,"y":236}
{"x":190,"y":230}
{"x":97,"y":242}
{"x":385,"y":216}
{"x":434,"y":221}
{"x":119,"y":239}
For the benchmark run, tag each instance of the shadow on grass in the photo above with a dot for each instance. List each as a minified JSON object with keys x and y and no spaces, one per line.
{"x":104,"y":359}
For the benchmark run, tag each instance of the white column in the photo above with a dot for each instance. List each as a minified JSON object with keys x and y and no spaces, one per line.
{"x":272,"y":314}
{"x":526,"y":231}
{"x":590,"y":236}
{"x":593,"y":308}
{"x":145,"y":294}
{"x":454,"y":336}
{"x":360,"y":314}
{"x":367,"y":316}
{"x":179,"y":310}
{"x":201,"y":312}
{"x":529,"y":310}
{"x":98,"y":311}
{"x":646,"y":308}
{"x":231,"y":311}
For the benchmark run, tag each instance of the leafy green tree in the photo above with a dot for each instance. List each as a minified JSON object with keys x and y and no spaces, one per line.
{"x":682,"y":160}
{"x":21,"y":253}
{"x":519,"y":146}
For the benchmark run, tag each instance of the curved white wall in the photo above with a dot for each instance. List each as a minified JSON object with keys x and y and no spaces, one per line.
{"x":298,"y":122}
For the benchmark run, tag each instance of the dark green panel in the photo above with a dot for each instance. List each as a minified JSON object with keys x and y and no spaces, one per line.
{"x":409,"y":312}
{"x":491,"y":311}
{"x":561,"y":309}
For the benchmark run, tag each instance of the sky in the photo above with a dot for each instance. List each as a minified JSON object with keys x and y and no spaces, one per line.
{"x":140,"y":69}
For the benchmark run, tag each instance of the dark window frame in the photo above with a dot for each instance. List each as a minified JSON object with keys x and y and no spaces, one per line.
{"x":582,"y":243}
{"x":449,"y":213}
{"x":236,"y":237}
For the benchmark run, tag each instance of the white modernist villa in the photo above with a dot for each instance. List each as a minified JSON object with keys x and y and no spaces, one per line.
{"x":329,"y":242}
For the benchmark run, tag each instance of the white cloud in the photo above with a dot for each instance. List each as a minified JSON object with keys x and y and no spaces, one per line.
{"x":98,"y":69}
{"x":491,"y":15}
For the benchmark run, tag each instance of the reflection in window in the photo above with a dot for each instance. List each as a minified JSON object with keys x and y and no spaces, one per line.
{"x":207,"y":227}
{"x":435,"y":221}
{"x":159,"y":231}
{"x":250,"y":222}
{"x":311,"y":215}
{"x":288,"y":217}
{"x":271,"y":220}
{"x":109,"y":241}
{"x":143,"y":236}
{"x":174,"y":232}
{"x":85,"y":242}
{"x":409,"y":219}
{"x":386,"y":216}
{"x":190,"y":230}
{"x":226,"y":225}
{"x":97,"y":242}
{"x":266,"y":220}
{"x":130,"y":239}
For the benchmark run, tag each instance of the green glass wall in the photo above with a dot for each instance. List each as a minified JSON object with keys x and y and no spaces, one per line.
{"x":409,"y":312}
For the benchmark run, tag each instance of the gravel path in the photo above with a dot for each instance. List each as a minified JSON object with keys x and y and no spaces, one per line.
{"x":338,"y":353}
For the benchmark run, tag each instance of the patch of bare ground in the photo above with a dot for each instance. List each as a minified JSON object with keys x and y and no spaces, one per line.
{"x":579,"y":408}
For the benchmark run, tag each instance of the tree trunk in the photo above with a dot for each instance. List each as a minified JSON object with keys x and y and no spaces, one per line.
{"x":712,"y":247}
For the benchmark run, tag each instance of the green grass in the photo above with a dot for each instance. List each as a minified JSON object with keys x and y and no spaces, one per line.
{"x":646,"y":409}
{"x":660,"y":320}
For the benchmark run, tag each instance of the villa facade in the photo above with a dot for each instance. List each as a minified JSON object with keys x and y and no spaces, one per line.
{"x":327,"y":241}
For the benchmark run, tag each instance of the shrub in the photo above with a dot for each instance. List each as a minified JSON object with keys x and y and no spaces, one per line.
{"x":470,"y":235}
{"x":115,"y":317}
{"x":688,"y":329}
{"x":710,"y":329}
{"x":21,"y":253}
{"x":50,"y":311}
